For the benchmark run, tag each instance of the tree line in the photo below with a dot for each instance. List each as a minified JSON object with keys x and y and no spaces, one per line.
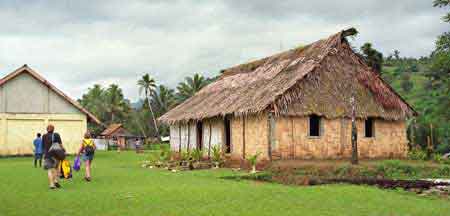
{"x":424,"y":83}
{"x":110,"y":105}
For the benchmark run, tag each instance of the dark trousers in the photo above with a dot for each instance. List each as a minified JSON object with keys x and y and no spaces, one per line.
{"x":37,"y":157}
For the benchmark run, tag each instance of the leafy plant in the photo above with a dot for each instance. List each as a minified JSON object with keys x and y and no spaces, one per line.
{"x":216,"y":156}
{"x":437,"y":158}
{"x":417,"y":155}
{"x":185,"y":156}
{"x":253,"y":160}
{"x":165,"y":153}
{"x":197,"y":154}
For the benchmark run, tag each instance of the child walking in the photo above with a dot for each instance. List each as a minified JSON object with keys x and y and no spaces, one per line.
{"x":38,"y":150}
{"x":87,"y":148}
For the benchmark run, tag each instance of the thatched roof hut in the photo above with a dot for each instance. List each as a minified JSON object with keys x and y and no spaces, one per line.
{"x":319,"y":78}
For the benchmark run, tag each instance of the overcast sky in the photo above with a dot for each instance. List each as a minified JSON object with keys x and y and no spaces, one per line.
{"x":76,"y":44}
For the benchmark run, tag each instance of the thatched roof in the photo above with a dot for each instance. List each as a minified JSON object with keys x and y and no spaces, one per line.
{"x":26,"y":69}
{"x":318,"y":78}
{"x":111,"y":129}
{"x":116,"y":130}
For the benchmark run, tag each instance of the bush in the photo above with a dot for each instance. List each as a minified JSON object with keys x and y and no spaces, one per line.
{"x":197,"y":154}
{"x":437,"y":158}
{"x":217,"y":154}
{"x":444,"y":171}
{"x":343,"y":171}
{"x":156,"y":147}
{"x":443,"y":148}
{"x":395,"y":168}
{"x":417,"y":155}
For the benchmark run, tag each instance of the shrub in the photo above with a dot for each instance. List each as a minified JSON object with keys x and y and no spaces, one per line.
{"x":165,"y":154}
{"x":444,"y":171}
{"x":417,"y":155}
{"x":437,"y":158}
{"x":197,"y":154}
{"x":343,"y":171}
{"x":253,"y":160}
{"x":443,"y":148}
{"x":217,"y":154}
{"x":395,"y":168}
{"x":185,"y":156}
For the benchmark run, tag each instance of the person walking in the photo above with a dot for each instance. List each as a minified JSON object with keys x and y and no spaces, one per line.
{"x":87,"y":148}
{"x":51,"y":160}
{"x":138,"y":145}
{"x":37,"y":150}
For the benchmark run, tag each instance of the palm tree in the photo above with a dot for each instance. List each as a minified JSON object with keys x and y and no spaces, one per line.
{"x":115,"y":102}
{"x":190,"y":86}
{"x":93,"y":100}
{"x":147,"y":85}
{"x":163,"y":99}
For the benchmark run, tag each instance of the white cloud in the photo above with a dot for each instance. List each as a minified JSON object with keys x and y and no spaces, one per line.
{"x":78,"y":43}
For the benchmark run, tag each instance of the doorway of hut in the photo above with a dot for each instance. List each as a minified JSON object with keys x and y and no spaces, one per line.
{"x":227,"y":127}
{"x":200,"y":135}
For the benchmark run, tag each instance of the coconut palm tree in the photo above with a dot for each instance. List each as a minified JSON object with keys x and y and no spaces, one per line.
{"x":115,"y":103}
{"x":190,"y":86}
{"x":163,"y":99}
{"x":93,"y":100}
{"x":147,"y":86}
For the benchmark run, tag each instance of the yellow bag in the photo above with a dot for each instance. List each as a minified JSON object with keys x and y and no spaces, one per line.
{"x":65,"y":169}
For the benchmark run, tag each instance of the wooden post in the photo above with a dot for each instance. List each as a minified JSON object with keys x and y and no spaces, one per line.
{"x":412,"y":133}
{"x":179,"y":135}
{"x":431,"y":135}
{"x":293,"y":139}
{"x":243,"y":137}
{"x":189,"y":137}
{"x":271,"y":131}
{"x":354,"y":159}
{"x":209,"y":144}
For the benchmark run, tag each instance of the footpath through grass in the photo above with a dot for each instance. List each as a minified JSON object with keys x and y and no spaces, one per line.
{"x":121,"y":187}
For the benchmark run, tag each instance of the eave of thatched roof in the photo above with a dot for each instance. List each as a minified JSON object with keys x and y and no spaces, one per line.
{"x":318,"y":78}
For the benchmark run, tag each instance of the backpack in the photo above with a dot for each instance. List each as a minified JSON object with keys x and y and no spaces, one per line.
{"x":89,"y":148}
{"x":56,"y":150}
{"x":65,"y":169}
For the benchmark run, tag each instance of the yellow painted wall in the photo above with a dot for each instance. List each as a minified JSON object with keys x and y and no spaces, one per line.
{"x":17,"y":131}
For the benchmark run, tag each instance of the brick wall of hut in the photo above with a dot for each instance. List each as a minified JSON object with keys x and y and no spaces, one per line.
{"x":291,"y":140}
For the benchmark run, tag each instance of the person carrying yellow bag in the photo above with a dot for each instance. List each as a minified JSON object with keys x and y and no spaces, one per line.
{"x":65,"y":169}
{"x":88,"y":149}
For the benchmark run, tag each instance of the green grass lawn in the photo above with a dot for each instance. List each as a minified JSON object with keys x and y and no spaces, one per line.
{"x":121,"y":187}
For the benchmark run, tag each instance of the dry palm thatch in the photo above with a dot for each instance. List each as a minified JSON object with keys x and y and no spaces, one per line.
{"x":318,"y":78}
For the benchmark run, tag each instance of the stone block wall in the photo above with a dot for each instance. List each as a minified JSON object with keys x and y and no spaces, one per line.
{"x":293,"y":140}
{"x":255,"y":137}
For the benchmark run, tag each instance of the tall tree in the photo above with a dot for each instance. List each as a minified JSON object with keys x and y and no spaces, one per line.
{"x":94,"y":102}
{"x":147,"y":86}
{"x":373,"y":58}
{"x":162,"y":101}
{"x":116,"y":105}
{"x":443,"y":3}
{"x":190,"y":86}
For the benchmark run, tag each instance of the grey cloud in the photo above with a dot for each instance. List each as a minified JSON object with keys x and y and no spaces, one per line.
{"x":78,"y":43}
